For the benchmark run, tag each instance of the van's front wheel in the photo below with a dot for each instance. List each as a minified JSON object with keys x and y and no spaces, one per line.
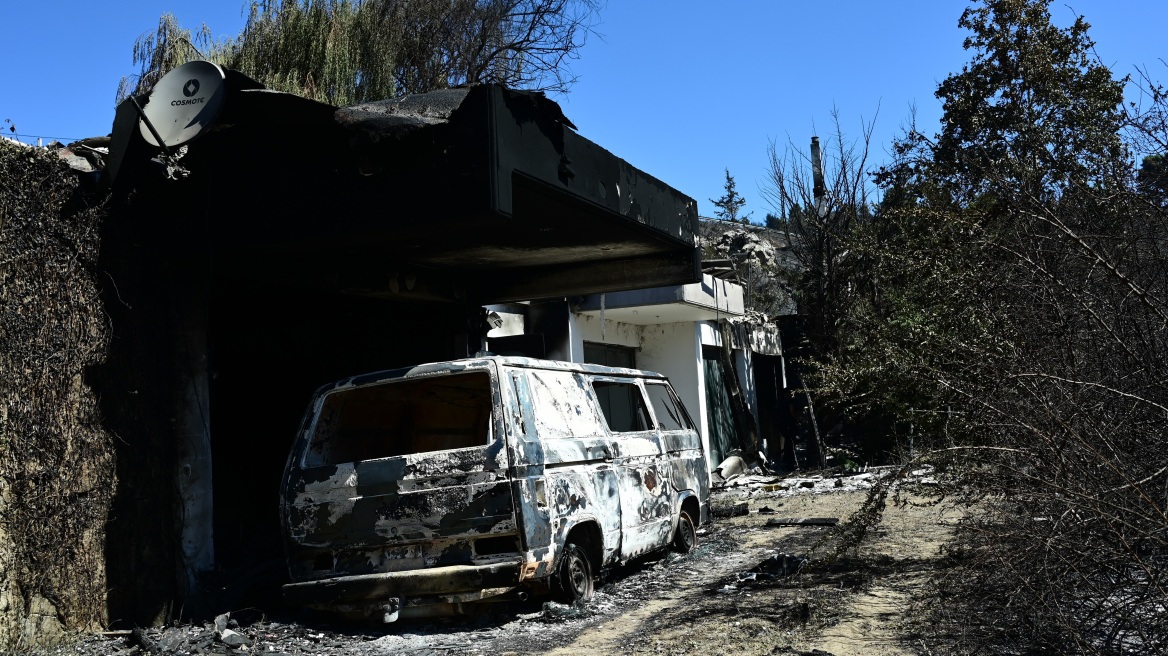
{"x":574,"y":576}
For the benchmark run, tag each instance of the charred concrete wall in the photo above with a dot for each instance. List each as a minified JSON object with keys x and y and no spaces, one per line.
{"x":218,"y":344}
{"x":140,"y":389}
{"x":56,"y":460}
{"x":270,"y":350}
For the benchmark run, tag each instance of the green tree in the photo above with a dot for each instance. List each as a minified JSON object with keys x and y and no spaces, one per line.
{"x":730,"y":203}
{"x":1033,"y":115}
{"x":350,"y":51}
{"x":775,"y":221}
{"x":1153,"y":179}
{"x":1030,"y":145}
{"x":170,"y":45}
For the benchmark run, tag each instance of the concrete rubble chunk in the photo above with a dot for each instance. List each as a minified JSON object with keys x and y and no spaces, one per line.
{"x":233,"y":638}
{"x":731,"y":467}
{"x":221,"y":623}
{"x":173,"y":638}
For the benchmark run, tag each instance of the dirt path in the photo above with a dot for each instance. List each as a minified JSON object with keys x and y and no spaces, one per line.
{"x":871,"y":623}
{"x":854,"y":607}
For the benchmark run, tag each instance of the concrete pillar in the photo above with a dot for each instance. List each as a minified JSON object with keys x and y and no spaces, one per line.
{"x":190,"y":304}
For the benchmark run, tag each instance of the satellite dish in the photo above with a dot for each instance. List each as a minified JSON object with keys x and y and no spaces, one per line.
{"x":183,"y":103}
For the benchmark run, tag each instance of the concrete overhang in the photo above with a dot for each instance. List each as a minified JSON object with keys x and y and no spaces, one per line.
{"x":482,"y":194}
{"x":710,"y":299}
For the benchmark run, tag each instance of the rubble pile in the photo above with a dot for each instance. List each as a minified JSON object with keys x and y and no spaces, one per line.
{"x":224,"y":635}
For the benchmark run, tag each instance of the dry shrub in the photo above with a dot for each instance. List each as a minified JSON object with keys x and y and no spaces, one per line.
{"x":56,"y":462}
{"x":1069,"y":550}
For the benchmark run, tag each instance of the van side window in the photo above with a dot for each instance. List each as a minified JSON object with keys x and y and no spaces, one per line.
{"x":408,"y":416}
{"x":669,"y":415}
{"x":622,"y":405}
{"x":562,"y":409}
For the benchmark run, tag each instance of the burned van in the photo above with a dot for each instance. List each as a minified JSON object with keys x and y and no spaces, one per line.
{"x":417,"y":491}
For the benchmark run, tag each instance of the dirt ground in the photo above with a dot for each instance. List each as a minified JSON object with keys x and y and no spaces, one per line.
{"x":855,"y":605}
{"x":746,"y":590}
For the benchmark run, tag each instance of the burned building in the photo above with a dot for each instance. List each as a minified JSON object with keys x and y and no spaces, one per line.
{"x":292,"y":244}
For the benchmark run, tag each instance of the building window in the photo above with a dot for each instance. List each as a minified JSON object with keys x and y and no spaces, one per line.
{"x":610,"y":355}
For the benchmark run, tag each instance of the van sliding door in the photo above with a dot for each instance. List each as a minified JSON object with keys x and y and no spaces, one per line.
{"x":647,"y":496}
{"x":563,"y":463}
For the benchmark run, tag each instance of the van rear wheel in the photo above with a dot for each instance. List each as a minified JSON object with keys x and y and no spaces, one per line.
{"x":574,"y":576}
{"x":686,"y":537}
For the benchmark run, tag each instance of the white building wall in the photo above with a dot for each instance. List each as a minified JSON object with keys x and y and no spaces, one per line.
{"x":675,"y":350}
{"x":708,"y":331}
{"x":587,"y":328}
{"x":672,"y":349}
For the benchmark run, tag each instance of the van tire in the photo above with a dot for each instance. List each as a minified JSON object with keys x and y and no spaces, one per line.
{"x":573,"y":579}
{"x":685,"y":539}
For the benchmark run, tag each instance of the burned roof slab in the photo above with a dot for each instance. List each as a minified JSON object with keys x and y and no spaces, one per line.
{"x":482,"y":190}
{"x":521,"y":200}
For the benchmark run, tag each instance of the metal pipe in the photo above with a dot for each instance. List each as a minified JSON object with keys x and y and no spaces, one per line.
{"x":150,"y":126}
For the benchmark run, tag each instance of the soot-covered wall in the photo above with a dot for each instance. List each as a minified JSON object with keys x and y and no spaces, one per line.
{"x":269,"y":350}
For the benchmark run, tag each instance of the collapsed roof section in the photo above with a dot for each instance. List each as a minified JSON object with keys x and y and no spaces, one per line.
{"x":478,"y":194}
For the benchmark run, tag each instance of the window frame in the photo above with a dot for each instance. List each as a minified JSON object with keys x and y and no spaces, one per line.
{"x":646,"y":412}
{"x":671,"y":394}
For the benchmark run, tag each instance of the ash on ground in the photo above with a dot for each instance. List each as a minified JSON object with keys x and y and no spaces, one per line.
{"x":721,"y":563}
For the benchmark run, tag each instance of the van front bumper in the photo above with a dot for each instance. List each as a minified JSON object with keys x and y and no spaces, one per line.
{"x":451,"y":582}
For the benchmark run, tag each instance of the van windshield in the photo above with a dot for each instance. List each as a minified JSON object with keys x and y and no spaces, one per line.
{"x":398,"y":418}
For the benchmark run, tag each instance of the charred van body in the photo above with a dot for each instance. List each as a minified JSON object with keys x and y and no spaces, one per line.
{"x":413,"y":492}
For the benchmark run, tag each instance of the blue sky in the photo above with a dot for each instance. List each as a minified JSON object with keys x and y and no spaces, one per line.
{"x":681,"y":89}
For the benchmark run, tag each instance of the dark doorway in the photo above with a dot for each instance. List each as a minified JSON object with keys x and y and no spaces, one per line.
{"x":719,"y":416}
{"x":772,"y":405}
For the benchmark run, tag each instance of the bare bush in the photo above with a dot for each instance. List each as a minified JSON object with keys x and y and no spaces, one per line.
{"x":820,"y":224}
{"x":56,"y":462}
{"x":1021,"y":277}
